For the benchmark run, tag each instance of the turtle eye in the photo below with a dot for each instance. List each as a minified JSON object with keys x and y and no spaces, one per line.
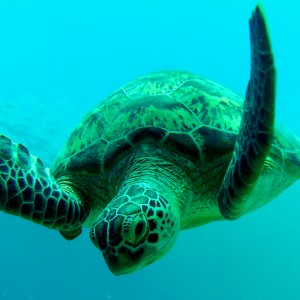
{"x":135,"y":229}
{"x":139,"y":228}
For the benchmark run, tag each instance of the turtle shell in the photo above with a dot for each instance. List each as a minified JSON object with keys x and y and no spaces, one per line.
{"x":177,"y":111}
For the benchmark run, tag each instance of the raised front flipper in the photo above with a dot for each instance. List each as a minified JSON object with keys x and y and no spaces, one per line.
{"x":256,"y":131}
{"x":29,"y":191}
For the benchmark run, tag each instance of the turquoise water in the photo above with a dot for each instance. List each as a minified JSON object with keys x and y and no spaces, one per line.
{"x":60,"y":58}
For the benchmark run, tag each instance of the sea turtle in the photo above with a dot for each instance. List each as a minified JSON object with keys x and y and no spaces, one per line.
{"x":168,"y":151}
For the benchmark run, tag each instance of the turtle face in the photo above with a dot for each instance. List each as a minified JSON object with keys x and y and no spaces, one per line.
{"x":135,"y":229}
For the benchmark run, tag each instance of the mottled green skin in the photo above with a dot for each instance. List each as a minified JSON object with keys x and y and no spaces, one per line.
{"x":193,"y":121}
{"x":29,"y":191}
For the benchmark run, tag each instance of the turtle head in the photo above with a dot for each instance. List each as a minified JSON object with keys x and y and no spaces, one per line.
{"x":136,"y":228}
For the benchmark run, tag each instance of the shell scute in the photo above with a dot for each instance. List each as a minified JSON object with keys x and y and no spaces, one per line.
{"x":150,"y":133}
{"x":183,"y":143}
{"x":214,"y":142}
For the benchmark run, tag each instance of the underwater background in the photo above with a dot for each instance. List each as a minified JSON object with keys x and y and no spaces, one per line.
{"x":58,"y":59}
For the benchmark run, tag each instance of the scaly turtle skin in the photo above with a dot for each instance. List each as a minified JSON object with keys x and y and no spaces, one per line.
{"x":168,"y":151}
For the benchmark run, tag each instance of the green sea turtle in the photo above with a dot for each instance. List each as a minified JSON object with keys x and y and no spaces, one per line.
{"x":168,"y":151}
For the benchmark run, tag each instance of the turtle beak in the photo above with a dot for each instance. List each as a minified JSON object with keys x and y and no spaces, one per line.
{"x":125,"y":261}
{"x":119,"y":258}
{"x":118,"y":264}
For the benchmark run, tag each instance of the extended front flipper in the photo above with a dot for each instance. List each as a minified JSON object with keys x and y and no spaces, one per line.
{"x":29,"y":191}
{"x":256,"y":131}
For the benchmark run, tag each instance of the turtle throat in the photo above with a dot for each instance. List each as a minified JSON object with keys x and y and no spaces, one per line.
{"x":162,"y":176}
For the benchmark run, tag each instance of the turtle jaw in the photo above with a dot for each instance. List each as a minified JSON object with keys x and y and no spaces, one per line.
{"x":126,"y":258}
{"x":126,"y":261}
